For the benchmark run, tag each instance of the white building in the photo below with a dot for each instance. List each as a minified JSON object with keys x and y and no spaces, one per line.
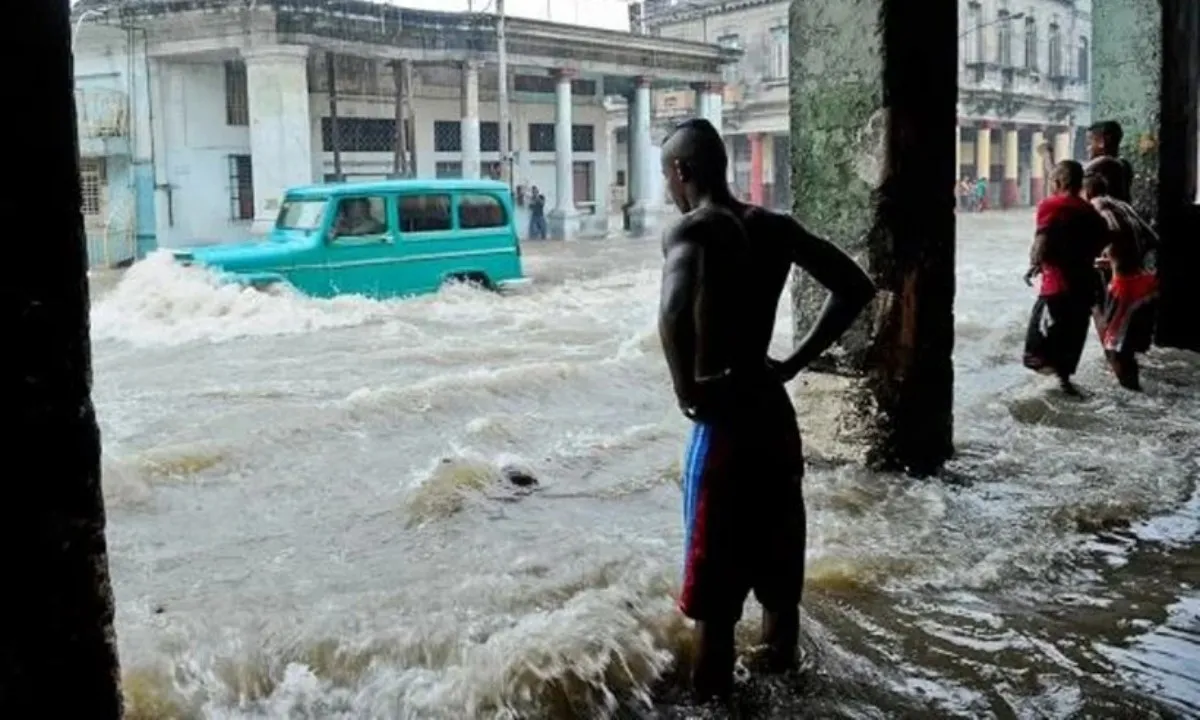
{"x":1025,"y":68}
{"x":604,"y":14}
{"x":194,"y":117}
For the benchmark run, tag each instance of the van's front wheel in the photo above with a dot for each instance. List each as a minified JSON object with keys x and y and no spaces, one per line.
{"x":472,"y":279}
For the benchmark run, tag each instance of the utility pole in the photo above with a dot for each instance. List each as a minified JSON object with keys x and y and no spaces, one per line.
{"x":502,"y":89}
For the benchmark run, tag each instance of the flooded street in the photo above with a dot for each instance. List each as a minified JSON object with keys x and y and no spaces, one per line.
{"x":308,"y":516}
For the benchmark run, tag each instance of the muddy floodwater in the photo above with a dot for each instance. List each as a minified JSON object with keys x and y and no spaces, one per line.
{"x":308,"y":519}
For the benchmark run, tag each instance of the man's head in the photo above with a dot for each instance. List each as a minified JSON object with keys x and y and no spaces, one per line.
{"x":1094,"y":184}
{"x":1110,"y":172}
{"x":694,"y":163}
{"x":1067,"y":178}
{"x":358,"y":208}
{"x":1104,"y":138}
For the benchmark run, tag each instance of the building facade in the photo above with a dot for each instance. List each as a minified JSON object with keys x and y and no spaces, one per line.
{"x":1024,"y":68}
{"x":195,"y":117}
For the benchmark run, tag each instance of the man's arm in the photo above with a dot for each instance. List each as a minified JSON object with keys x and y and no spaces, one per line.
{"x":849,"y":292}
{"x":676,"y":313}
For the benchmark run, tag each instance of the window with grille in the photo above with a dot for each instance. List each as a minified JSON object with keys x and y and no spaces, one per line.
{"x":1004,"y":33}
{"x":447,"y":136}
{"x":480,"y":211}
{"x":541,"y":137}
{"x":359,"y":134}
{"x":91,"y":184}
{"x":241,"y":188}
{"x":425,"y":213}
{"x":490,"y":170}
{"x":1085,"y":60}
{"x":237,"y":99}
{"x":778,"y":69}
{"x":1031,"y":44}
{"x":489,"y":136}
{"x":583,"y":138}
{"x":546,"y":84}
{"x":451,"y":170}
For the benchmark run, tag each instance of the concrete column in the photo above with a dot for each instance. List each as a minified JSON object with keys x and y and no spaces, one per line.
{"x":894,"y":367}
{"x":630,"y":159}
{"x":983,"y":159}
{"x":1062,"y":145}
{"x":470,"y":120}
{"x":1037,"y":169}
{"x":1012,"y":168}
{"x":641,"y":159}
{"x":957,"y":151}
{"x":710,"y":102}
{"x":561,"y":220}
{"x":280,"y":126}
{"x":756,"y":168}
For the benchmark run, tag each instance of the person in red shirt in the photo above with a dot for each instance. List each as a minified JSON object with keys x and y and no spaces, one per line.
{"x":1070,"y":235}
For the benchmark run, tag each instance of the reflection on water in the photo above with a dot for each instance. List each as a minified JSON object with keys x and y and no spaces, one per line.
{"x":309,"y":515}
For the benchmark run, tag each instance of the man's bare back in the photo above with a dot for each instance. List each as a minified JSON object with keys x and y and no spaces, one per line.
{"x":725,"y":267}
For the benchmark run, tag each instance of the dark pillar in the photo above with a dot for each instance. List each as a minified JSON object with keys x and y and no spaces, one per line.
{"x":58,"y":653}
{"x":1147,"y":70}
{"x":335,"y":130}
{"x":874,"y":94}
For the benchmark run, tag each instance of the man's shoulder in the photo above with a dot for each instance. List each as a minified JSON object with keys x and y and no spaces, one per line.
{"x":703,"y":223}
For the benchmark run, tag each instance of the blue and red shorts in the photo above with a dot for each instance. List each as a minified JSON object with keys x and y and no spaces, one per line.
{"x":743,"y":514}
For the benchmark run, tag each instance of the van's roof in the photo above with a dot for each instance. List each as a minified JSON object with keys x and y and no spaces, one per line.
{"x":391,"y":186}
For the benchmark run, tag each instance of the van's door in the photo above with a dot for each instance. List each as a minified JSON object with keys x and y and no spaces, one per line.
{"x":429,"y":243}
{"x":361,"y":246}
{"x":487,"y":230}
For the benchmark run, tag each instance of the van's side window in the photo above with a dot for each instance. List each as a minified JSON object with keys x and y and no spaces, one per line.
{"x":480,"y":211}
{"x":424,"y":213}
{"x":360,"y":217}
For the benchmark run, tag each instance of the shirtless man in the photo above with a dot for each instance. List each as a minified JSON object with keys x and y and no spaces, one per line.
{"x":1104,"y":158}
{"x":725,"y":267}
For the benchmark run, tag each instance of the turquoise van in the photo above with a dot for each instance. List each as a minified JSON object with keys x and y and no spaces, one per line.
{"x":380,"y":240}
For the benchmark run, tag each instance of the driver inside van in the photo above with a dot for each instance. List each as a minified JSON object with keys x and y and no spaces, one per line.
{"x":355,"y":218}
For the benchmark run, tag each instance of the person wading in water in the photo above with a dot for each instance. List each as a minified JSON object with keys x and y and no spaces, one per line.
{"x":1070,"y":235}
{"x":725,"y":267}
{"x":1104,"y":157}
{"x":1125,"y":318}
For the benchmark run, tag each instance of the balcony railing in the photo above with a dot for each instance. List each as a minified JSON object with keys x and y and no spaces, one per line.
{"x":101,"y":113}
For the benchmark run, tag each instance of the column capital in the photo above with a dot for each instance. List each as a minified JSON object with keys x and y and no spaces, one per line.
{"x":470,"y":65}
{"x":712,"y":88}
{"x":561,"y":74}
{"x":276,"y":52}
{"x":643,"y":81}
{"x":984,"y":125}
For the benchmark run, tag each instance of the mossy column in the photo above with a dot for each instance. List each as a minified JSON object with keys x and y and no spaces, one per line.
{"x":873,"y":113}
{"x":1147,"y":77}
{"x":58,"y":655}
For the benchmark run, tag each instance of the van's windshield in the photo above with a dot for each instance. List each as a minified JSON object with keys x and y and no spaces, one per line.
{"x":301,"y":215}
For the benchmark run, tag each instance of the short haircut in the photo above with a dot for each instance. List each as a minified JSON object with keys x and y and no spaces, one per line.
{"x":1110,"y":170}
{"x":1094,"y":184}
{"x":1067,"y":175}
{"x":698,"y":147}
{"x":1110,"y":131}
